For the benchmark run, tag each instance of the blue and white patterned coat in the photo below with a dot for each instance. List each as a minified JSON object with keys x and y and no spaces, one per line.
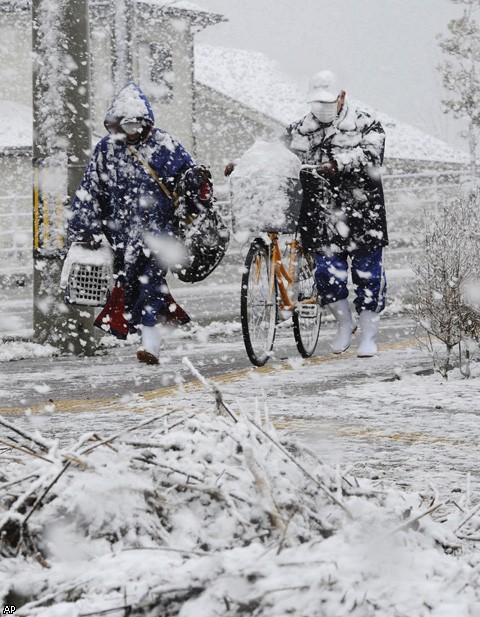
{"x":119,"y":197}
{"x":355,"y":141}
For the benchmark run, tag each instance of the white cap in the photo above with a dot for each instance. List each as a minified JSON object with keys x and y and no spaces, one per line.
{"x":323,"y":87}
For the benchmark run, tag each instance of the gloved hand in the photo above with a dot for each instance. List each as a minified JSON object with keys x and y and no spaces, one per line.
{"x":229,"y":168}
{"x":92,"y":242}
{"x":328,"y":169}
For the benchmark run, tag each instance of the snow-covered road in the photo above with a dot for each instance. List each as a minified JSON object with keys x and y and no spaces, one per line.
{"x":378,"y":416}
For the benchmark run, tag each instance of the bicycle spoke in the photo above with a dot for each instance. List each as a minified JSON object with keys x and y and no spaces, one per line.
{"x":307,"y":314}
{"x":258,"y":305}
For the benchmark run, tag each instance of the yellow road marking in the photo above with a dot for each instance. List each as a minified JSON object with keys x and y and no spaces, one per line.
{"x":127,"y":402}
{"x":372,"y":434}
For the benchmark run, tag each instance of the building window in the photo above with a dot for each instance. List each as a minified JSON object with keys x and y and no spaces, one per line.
{"x":156,"y":70}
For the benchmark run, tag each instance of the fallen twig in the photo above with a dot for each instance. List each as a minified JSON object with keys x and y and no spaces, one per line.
{"x":470,"y":515}
{"x":38,"y":441}
{"x":42,"y":496}
{"x":18,"y":481}
{"x":30,"y":452}
{"x":414,"y":519}
{"x":214,"y":389}
{"x":128,"y":430}
{"x":301,"y":467}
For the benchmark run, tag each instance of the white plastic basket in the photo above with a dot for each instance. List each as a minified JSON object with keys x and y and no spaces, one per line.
{"x":265,"y":204}
{"x":87,"y":275}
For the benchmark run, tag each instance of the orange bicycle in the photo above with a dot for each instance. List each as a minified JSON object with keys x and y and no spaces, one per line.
{"x":272,"y":290}
{"x":275,"y":286}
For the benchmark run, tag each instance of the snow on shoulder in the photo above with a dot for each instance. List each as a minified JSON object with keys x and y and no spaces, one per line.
{"x":265,"y":186}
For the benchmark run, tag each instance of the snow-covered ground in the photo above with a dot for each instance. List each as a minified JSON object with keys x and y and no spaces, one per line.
{"x":321,"y":488}
{"x":300,"y":498}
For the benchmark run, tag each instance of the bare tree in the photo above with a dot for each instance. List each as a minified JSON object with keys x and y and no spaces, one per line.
{"x":447,"y":269}
{"x":461,"y":72}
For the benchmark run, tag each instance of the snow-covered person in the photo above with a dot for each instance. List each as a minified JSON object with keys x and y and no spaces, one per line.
{"x":126,"y":194}
{"x":345,"y":145}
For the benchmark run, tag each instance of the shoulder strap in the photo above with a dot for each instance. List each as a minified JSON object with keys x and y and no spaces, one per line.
{"x":152,"y":172}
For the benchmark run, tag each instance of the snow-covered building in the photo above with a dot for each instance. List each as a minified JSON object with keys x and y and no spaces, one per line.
{"x":243,"y":95}
{"x":148,"y":41}
{"x":216,"y":101}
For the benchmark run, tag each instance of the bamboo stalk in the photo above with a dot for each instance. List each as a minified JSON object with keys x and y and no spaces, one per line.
{"x":214,"y":389}
{"x":39,"y":442}
{"x":414,"y":519}
{"x":128,"y":430}
{"x":25,"y":451}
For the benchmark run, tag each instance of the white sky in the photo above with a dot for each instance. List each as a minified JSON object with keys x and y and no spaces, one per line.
{"x":385,"y":50}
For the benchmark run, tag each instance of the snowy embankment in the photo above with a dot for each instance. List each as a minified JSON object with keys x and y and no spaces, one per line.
{"x":203,"y":513}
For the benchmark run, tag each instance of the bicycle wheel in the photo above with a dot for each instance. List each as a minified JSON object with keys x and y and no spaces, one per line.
{"x":307,"y":315}
{"x":258,"y":304}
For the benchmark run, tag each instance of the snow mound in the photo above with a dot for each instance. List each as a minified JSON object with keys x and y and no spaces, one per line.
{"x":219,"y":515}
{"x":265,"y":186}
{"x":21,"y":350}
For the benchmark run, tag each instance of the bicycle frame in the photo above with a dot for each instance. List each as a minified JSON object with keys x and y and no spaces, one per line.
{"x":284,"y":276}
{"x":276,"y":289}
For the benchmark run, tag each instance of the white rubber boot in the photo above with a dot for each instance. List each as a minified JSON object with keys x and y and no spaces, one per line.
{"x":346,"y":325}
{"x":151,"y":340}
{"x":369,"y":325}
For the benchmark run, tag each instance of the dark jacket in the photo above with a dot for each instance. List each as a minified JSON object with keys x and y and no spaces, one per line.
{"x":356,"y":218}
{"x":118,"y":197}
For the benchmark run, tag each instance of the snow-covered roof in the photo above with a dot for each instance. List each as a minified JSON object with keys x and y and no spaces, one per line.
{"x":11,"y":6}
{"x":16,"y":125}
{"x":172,"y":7}
{"x":404,"y":141}
{"x":182,"y":5}
{"x":185,"y":8}
{"x":253,"y":79}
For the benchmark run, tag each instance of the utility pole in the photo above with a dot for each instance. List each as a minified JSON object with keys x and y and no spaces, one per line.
{"x":124,"y":23}
{"x":61,"y":149}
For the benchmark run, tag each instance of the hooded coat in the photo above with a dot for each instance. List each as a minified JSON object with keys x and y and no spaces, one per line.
{"x":119,"y":197}
{"x":356,"y":216}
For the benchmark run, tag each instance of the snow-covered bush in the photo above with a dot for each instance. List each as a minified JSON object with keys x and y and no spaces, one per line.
{"x":208,"y":516}
{"x":446,"y":303}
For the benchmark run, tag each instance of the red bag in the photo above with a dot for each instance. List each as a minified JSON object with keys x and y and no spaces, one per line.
{"x":177,"y":317}
{"x":112,"y":317}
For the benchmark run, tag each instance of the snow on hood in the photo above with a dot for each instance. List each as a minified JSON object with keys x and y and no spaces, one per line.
{"x":16,"y":126}
{"x":130,"y":102}
{"x":253,"y":79}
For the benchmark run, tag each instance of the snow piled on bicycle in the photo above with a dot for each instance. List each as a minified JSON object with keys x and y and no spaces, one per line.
{"x":265,"y":190}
